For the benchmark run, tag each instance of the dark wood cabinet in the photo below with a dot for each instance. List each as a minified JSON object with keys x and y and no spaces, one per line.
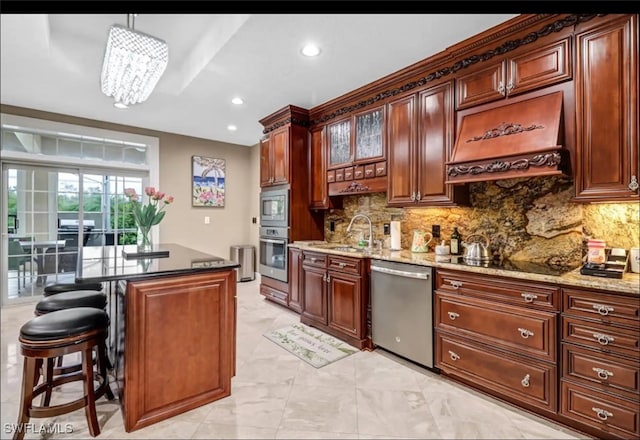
{"x":533,"y":69}
{"x":600,"y":371}
{"x":420,"y":133}
{"x":274,"y":158}
{"x":607,"y":151}
{"x":335,"y":296}
{"x":492,"y":338}
{"x":295,"y":290}
{"x":318,"y":191}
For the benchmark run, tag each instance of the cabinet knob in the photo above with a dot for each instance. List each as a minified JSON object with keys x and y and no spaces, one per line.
{"x":525,"y":333}
{"x":453,"y":315}
{"x":342,"y":265}
{"x":501,"y":88}
{"x":418,"y":197}
{"x":602,"y":373}
{"x":602,"y":414}
{"x":413,"y":196}
{"x":510,"y":86}
{"x":313,"y":260}
{"x":603,"y":309}
{"x":454,"y":356}
{"x":603,"y":339}
{"x":525,"y":381}
{"x":455,"y":284}
{"x":529,"y":297}
{"x":633,"y":185}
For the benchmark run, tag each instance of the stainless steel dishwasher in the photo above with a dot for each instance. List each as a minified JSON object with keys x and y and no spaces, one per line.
{"x":402,"y":309}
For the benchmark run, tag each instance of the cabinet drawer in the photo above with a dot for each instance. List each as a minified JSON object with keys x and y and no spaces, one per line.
{"x":369,"y":171}
{"x":602,"y":307}
{"x":607,"y":372}
{"x":381,"y":168}
{"x":358,"y":172}
{"x":348,"y":173}
{"x":529,"y":332}
{"x":274,"y":295}
{"x":314,"y":259}
{"x":600,"y":410}
{"x":340,"y":175}
{"x":604,"y":338}
{"x":520,"y":379}
{"x":343,"y":264}
{"x":331,"y":176}
{"x":532,"y":295}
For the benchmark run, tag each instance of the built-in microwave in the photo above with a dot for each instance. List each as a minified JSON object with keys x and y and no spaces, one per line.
{"x":274,"y":207}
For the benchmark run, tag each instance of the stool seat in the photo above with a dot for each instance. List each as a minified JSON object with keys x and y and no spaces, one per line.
{"x":71,"y":299}
{"x":64,"y":323}
{"x":54,"y":289}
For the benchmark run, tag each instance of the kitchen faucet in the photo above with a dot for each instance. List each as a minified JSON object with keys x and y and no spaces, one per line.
{"x":370,"y":240}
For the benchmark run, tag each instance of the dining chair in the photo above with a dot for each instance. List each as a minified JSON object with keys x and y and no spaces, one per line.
{"x":18,"y":258}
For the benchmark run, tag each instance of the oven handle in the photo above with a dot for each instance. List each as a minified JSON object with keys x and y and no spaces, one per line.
{"x":401,"y":273}
{"x":269,"y":240}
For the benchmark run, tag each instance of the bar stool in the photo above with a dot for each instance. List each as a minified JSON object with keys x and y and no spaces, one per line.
{"x":55,"y":334}
{"x":53,"y":289}
{"x":67,"y":300}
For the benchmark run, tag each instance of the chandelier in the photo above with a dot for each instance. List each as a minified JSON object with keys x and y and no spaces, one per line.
{"x":133,"y":64}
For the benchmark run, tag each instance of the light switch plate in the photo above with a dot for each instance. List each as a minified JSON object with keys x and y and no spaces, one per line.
{"x":207,"y":220}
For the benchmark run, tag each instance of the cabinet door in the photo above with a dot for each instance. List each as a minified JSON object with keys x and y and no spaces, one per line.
{"x":435,"y":138}
{"x":607,"y":111}
{"x":318,"y":193}
{"x":539,"y":68}
{"x":295,"y":279}
{"x":344,"y":303}
{"x":314,"y":303}
{"x":280,"y":156}
{"x":265,"y":162}
{"x":369,"y":135}
{"x":339,"y":143}
{"x":401,"y":129}
{"x":481,"y":86}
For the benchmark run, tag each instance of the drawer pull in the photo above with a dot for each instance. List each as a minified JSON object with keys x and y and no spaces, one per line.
{"x":342,"y":265}
{"x":602,"y":309}
{"x":453,"y":315}
{"x":455,"y":284}
{"x":603,"y":339}
{"x":602,"y":373}
{"x":328,"y":278}
{"x":525,"y":381}
{"x":454,"y":356}
{"x":529,"y":297}
{"x":313,"y":260}
{"x":602,"y":414}
{"x":525,"y":333}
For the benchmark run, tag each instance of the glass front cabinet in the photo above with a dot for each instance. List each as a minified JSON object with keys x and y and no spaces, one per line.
{"x":356,"y":147}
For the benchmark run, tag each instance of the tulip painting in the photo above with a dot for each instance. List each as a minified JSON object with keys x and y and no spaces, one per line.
{"x":208,"y":181}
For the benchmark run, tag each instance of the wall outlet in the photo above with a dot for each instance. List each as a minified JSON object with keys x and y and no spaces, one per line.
{"x":435,"y":231}
{"x":254,"y":220}
{"x":386,"y":228}
{"x":332,"y":225}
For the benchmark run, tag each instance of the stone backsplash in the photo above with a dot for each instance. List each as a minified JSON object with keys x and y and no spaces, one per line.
{"x":530,"y":219}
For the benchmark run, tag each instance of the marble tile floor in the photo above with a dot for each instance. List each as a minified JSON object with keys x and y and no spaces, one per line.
{"x":275,"y":395}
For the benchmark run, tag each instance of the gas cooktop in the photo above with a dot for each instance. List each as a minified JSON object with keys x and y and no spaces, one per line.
{"x":516,"y":266}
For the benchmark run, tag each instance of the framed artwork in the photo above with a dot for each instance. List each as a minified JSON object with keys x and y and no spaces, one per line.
{"x":207,"y":181}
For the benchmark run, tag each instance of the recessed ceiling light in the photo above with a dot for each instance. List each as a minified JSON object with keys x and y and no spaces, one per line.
{"x":310,"y":50}
{"x":232,"y":127}
{"x":237,"y":101}
{"x":119,"y":104}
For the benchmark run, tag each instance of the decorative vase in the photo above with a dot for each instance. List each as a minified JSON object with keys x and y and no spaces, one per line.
{"x":145,"y":243}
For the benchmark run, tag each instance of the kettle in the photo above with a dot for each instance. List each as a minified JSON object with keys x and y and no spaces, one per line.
{"x":476,"y":251}
{"x":420,"y":243}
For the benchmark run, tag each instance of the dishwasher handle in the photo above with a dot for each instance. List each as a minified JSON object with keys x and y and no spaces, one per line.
{"x":401,"y":273}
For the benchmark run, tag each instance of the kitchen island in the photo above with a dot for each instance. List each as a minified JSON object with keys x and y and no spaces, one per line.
{"x":172,"y":328}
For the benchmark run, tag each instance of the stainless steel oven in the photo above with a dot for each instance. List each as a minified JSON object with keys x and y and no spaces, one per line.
{"x":274,"y":207}
{"x":274,"y":253}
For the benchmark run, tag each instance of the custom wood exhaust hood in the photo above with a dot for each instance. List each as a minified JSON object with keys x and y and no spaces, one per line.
{"x":514,"y":140}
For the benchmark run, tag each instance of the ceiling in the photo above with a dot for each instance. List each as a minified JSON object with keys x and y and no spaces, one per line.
{"x":52,"y":62}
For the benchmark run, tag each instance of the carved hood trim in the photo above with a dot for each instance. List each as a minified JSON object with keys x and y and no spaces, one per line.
{"x":515,"y":140}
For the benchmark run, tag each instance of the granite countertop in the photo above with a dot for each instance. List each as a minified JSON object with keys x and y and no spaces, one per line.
{"x":107,"y":263}
{"x":629,"y":284}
